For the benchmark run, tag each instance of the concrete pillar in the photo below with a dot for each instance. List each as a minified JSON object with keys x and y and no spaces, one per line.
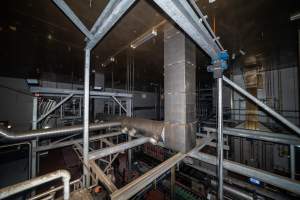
{"x":180,"y":90}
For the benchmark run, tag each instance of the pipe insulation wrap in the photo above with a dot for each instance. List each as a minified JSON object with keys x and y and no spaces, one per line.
{"x":31,"y":134}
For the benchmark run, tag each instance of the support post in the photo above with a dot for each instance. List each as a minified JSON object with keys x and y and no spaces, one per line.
{"x":220,"y":137}
{"x":218,"y":65}
{"x":173,"y":182}
{"x":292,"y":161}
{"x":34,"y":142}
{"x":129,"y":114}
{"x":86,"y":176}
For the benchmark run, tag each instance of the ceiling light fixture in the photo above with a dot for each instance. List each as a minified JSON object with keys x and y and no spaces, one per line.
{"x":144,"y":38}
{"x":108,"y":61}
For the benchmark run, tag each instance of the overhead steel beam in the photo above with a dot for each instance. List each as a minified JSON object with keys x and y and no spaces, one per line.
{"x":138,"y":184}
{"x":104,"y":14}
{"x":259,"y":135}
{"x":266,"y":108}
{"x":264,"y":176}
{"x":71,"y":142}
{"x":115,"y":11}
{"x":61,"y":4}
{"x":185,"y":17}
{"x":57,"y":91}
{"x":203,"y":19}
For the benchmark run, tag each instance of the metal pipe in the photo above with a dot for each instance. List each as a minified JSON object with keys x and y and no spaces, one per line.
{"x":25,"y":185}
{"x":264,"y":176}
{"x":118,"y":148}
{"x":86,"y":176}
{"x":258,"y":135}
{"x":220,"y":137}
{"x":32,"y":134}
{"x":138,"y":184}
{"x":53,"y":190}
{"x":262,"y":105}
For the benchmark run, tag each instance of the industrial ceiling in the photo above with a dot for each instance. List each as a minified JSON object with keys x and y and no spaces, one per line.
{"x":37,"y":40}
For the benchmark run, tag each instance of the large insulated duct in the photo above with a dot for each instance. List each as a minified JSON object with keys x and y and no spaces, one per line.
{"x":159,"y":131}
{"x":31,"y":134}
{"x":146,"y":127}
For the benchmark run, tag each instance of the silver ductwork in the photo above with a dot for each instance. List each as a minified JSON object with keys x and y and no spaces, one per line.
{"x":42,"y":133}
{"x":157,"y":130}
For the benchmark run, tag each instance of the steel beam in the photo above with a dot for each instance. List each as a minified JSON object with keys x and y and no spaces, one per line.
{"x":119,"y":103}
{"x":203,"y":19}
{"x":72,"y":142}
{"x":104,"y":14}
{"x":118,"y":148}
{"x":245,"y":185}
{"x":102,"y":177}
{"x":259,"y":135}
{"x":264,"y":176}
{"x":138,"y":184}
{"x":116,"y":10}
{"x":185,"y":17}
{"x":61,"y":4}
{"x":54,"y":108}
{"x":262,"y":105}
{"x":64,"y":92}
{"x":86,"y":118}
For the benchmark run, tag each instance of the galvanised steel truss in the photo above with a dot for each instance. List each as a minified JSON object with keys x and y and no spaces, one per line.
{"x":189,"y":18}
{"x":195,"y":25}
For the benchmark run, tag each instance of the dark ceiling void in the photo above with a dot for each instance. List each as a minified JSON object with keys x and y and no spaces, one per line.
{"x":36,"y":38}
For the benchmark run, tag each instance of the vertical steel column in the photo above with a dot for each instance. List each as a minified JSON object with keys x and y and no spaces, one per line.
{"x":86,"y":176}
{"x":292,"y":161}
{"x":129,"y":114}
{"x":220,"y":137}
{"x":34,"y":142}
{"x":173,"y":182}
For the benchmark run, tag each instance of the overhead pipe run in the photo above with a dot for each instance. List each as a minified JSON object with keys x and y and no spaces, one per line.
{"x":32,"y":134}
{"x":25,"y":185}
